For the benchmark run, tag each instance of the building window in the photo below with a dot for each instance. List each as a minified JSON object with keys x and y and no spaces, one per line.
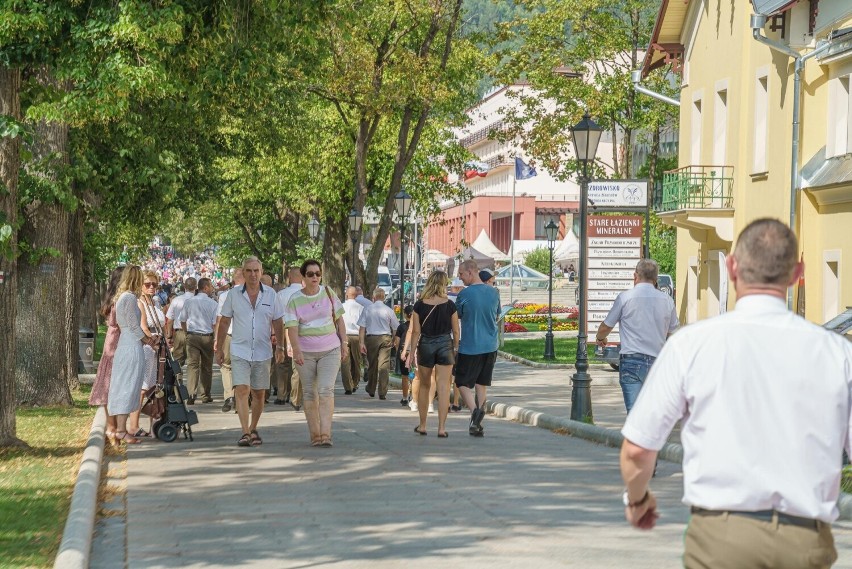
{"x":838,"y":128}
{"x":761,"y":124}
{"x":696,"y":131}
{"x":720,"y":128}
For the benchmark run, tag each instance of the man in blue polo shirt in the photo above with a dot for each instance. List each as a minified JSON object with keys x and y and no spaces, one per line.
{"x":478,"y":308}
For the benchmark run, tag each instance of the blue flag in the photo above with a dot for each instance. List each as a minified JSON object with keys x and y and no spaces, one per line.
{"x":523,"y":171}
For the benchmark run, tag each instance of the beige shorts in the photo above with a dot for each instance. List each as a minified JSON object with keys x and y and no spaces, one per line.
{"x":253,"y":374}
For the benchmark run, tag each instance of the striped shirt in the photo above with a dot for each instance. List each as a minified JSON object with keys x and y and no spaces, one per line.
{"x":312,"y":314}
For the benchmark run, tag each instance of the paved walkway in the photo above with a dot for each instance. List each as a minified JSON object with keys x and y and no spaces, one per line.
{"x":384,"y":497}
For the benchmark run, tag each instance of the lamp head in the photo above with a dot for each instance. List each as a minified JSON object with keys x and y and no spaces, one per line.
{"x":551,"y":230}
{"x":313,"y":227}
{"x":586,"y":135}
{"x":355,"y":221}
{"x":402,"y":204}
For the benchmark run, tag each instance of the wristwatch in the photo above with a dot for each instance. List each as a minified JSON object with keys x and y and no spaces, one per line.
{"x":626,"y":499}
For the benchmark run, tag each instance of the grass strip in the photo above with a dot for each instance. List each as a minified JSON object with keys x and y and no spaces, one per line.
{"x":565,"y":350}
{"x":36,"y":483}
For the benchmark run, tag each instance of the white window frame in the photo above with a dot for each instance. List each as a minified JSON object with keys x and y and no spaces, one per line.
{"x":697,"y":111}
{"x":720,"y":123}
{"x":759,"y":163}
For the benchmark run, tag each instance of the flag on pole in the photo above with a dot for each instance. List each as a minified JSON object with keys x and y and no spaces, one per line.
{"x":524,"y":171}
{"x":476,"y":168}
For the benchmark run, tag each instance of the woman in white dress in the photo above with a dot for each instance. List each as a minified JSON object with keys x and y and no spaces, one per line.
{"x":128,"y":368}
{"x":150,"y":310}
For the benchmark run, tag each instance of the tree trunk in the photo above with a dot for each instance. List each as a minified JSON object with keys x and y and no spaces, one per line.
{"x":10,"y":105}
{"x":74,"y":297}
{"x":44,"y":318}
{"x":334,"y":248}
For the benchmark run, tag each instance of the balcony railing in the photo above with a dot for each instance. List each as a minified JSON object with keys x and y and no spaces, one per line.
{"x":698,"y":187}
{"x":483,"y":133}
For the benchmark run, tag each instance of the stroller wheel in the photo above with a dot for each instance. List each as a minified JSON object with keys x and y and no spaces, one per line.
{"x":155,"y":428}
{"x":167,"y":433}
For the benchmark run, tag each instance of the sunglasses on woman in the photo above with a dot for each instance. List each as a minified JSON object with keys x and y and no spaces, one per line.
{"x":150,"y":284}
{"x":310,"y":274}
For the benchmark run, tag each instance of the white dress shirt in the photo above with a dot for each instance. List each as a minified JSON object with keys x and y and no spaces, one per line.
{"x":285,"y":293}
{"x":352,"y":315}
{"x":378,"y":319}
{"x":222,"y":296}
{"x":251,"y":338}
{"x":765,"y":399}
{"x":199,"y":313}
{"x":176,"y":306}
{"x":646,"y":317}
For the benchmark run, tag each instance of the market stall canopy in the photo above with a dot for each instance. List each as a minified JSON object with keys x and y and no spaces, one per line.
{"x":434,"y":257}
{"x":483,"y":261}
{"x":568,"y":249}
{"x":484,"y":244}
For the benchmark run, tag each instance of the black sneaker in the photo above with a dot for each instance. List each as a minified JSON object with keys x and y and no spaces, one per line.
{"x":190,"y":401}
{"x":347,"y":392}
{"x":228,"y":404}
{"x":403,"y":402}
{"x":475,"y":429}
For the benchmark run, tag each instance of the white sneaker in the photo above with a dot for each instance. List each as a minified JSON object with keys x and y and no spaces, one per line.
{"x":412,"y":405}
{"x":431,"y":408}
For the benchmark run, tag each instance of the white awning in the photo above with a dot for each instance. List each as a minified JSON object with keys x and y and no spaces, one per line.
{"x":484,"y":245}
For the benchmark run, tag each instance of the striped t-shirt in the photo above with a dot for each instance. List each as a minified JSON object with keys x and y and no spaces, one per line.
{"x":312,"y":314}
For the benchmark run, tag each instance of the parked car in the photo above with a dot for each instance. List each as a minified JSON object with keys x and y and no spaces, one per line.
{"x":666,"y":284}
{"x":384,"y":281}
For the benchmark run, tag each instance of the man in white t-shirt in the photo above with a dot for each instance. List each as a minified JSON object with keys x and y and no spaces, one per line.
{"x":764,"y":401}
{"x":174,"y":333}
{"x":350,"y":369}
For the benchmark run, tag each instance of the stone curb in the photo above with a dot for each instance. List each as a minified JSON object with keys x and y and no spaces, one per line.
{"x":671,"y":452}
{"x":77,"y":536}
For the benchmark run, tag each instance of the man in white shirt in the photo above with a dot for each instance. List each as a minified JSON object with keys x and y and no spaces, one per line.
{"x":197,"y":320}
{"x":256,"y":312}
{"x":174,"y":333}
{"x":289,"y":386}
{"x":375,"y":329}
{"x":646,"y":317}
{"x":351,"y":369}
{"x":764,"y":399}
{"x":225,"y":342}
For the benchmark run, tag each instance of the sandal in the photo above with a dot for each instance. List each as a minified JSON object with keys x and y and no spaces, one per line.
{"x":256,"y":441}
{"x":142,"y":433}
{"x":326,"y":442}
{"x":245,"y":441}
{"x":419,"y":432}
{"x":127,"y":438}
{"x":443,"y":435}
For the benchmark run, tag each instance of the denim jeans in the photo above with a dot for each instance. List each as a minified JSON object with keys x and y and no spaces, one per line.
{"x":632,"y":371}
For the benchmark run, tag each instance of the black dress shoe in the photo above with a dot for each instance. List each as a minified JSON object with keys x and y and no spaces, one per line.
{"x":295,"y":407}
{"x":280,"y":402}
{"x":347,"y":392}
{"x":228,"y":404}
{"x":207,"y":399}
{"x":382,"y":397}
{"x":371,"y":394}
{"x":190,"y":401}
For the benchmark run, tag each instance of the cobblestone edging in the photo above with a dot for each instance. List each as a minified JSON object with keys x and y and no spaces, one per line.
{"x":77,"y":536}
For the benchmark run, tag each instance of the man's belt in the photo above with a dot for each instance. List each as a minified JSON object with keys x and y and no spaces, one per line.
{"x":763,"y":516}
{"x":200,"y":334}
{"x":375,"y":335}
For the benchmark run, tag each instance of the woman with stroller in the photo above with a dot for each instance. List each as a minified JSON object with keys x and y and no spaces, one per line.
{"x":435,"y":340}
{"x":153,"y":320}
{"x":318,"y":339}
{"x":100,"y":387}
{"x":128,"y":368}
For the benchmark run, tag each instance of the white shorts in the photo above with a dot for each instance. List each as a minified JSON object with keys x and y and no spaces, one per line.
{"x":253,"y":374}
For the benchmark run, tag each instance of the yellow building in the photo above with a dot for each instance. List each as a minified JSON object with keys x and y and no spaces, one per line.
{"x":737,"y":154}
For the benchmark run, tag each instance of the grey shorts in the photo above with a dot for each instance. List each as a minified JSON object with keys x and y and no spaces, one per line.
{"x":253,"y":374}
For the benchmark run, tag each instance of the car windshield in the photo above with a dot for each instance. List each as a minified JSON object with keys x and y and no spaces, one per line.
{"x":384,"y":279}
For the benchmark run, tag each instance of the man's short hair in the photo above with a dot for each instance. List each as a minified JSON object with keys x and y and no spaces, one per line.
{"x":766,"y":252}
{"x":251,"y":259}
{"x":351,"y":292}
{"x":379,"y":293}
{"x":190,"y":284}
{"x":294,"y":275}
{"x":469,"y":265}
{"x":647,"y":270}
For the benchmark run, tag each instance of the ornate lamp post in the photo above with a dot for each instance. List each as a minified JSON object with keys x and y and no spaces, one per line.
{"x":355,"y":222}
{"x":586,"y":135}
{"x":402,"y":203}
{"x":551,"y":230}
{"x":313,"y":228}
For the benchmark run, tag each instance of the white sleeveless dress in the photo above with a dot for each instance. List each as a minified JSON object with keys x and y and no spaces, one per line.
{"x":128,"y":366}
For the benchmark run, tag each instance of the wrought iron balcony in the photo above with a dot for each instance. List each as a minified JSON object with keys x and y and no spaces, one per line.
{"x":698,"y":187}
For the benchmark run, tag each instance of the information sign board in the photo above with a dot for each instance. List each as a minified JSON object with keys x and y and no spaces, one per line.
{"x":618,"y":193}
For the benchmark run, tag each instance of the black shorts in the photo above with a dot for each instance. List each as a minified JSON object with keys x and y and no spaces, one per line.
{"x":435,"y":350}
{"x":473,"y":370}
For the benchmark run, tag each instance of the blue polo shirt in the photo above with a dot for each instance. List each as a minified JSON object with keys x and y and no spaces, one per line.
{"x":478,"y":308}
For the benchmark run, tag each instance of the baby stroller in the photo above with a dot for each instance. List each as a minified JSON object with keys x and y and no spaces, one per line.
{"x":165,"y":401}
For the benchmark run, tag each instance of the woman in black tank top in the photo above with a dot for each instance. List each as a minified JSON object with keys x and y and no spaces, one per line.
{"x":435,"y":337}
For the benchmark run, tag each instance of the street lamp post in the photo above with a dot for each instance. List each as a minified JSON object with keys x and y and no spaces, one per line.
{"x":355,"y":222}
{"x":551,"y":230}
{"x":402,"y":203}
{"x":313,"y":228}
{"x":586,"y":135}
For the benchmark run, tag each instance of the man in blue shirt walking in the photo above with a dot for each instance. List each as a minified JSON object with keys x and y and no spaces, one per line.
{"x":478,"y":308}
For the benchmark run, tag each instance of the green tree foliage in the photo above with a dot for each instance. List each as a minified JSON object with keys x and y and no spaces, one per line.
{"x":539,"y":259}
